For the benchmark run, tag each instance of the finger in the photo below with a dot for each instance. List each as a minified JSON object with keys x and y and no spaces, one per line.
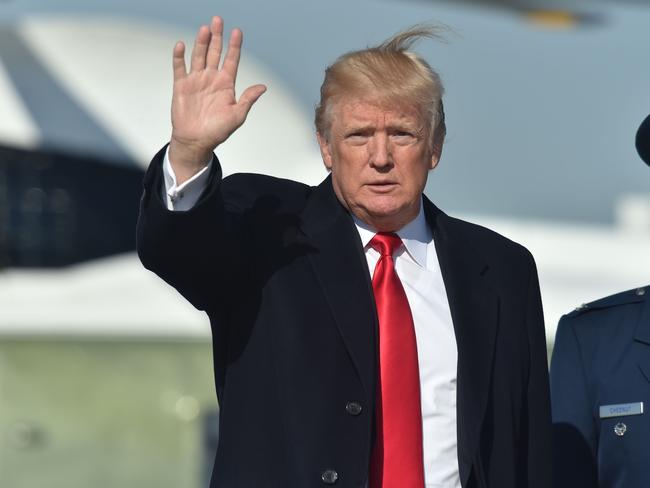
{"x":200,"y":48}
{"x":248,"y":98}
{"x":216,"y":42}
{"x":178,"y":61}
{"x":231,"y":62}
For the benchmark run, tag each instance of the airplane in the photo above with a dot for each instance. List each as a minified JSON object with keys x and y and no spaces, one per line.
{"x":552,"y":14}
{"x":540,"y":148}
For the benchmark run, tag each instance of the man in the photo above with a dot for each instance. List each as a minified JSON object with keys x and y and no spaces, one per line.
{"x":361,"y":336}
{"x":600,"y":386}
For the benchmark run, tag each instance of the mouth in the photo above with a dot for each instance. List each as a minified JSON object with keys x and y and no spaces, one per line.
{"x":382,"y":187}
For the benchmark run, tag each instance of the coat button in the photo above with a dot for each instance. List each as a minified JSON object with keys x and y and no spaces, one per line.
{"x":620,"y":429}
{"x":353,"y":408}
{"x":330,"y":477}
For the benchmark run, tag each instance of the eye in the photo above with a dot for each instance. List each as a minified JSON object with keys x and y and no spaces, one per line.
{"x":403,"y":136}
{"x":357,"y":137}
{"x":357,"y":133}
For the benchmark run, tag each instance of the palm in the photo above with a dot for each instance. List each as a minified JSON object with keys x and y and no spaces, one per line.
{"x":205,"y":110}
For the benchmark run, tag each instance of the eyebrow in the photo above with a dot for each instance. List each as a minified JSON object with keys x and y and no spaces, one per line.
{"x":358,"y":127}
{"x":393,"y":125}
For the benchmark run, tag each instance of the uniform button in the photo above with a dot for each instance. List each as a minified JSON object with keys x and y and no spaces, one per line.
{"x":640,"y":291}
{"x":620,"y":429}
{"x":353,"y":408}
{"x":330,"y":477}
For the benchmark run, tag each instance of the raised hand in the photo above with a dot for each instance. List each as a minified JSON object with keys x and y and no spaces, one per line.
{"x":205,"y":110}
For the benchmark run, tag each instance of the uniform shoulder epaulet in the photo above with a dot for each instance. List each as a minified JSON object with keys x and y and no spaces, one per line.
{"x":629,"y":296}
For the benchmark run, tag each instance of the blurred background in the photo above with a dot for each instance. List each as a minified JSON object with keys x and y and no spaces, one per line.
{"x":105,"y":372}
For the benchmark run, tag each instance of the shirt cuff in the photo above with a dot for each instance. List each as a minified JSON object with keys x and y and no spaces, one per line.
{"x":184,"y":196}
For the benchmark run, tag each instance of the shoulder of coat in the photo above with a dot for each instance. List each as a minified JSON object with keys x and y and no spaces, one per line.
{"x":634,"y":295}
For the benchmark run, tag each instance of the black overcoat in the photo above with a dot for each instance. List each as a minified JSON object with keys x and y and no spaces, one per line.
{"x":279,"y":268}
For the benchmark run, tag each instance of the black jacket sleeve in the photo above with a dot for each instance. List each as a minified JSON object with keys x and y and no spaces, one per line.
{"x":199,"y":251}
{"x":539,"y":454}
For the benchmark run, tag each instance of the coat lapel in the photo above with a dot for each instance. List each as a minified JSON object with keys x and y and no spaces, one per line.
{"x":474,"y":311}
{"x":642,"y":334}
{"x":341,"y":268}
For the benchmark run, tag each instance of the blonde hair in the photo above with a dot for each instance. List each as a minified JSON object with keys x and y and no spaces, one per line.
{"x":390,"y":74}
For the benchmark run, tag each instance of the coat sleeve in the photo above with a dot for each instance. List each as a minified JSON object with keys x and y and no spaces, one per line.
{"x":196,"y":251}
{"x":573,"y":423}
{"x":539,"y":456}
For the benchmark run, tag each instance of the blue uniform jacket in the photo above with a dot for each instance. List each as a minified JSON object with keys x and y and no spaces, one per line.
{"x":602,"y":359}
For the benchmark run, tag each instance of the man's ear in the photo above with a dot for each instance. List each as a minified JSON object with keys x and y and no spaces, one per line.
{"x":435,"y":155}
{"x":325,"y":152}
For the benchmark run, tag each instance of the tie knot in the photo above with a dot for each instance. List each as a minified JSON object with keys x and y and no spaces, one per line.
{"x":386,"y":243}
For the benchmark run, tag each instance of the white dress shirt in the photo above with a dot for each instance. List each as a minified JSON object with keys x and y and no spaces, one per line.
{"x":183,"y":196}
{"x":416,"y":264}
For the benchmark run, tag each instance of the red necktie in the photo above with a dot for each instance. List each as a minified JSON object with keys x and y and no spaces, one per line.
{"x":397,"y":454}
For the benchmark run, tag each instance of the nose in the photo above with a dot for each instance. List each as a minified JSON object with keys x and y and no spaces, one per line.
{"x":380,"y":151}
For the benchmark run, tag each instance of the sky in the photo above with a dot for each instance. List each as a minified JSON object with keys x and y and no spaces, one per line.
{"x":541,"y":122}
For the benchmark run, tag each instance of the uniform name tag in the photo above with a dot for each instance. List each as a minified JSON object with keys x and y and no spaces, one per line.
{"x":621,"y":410}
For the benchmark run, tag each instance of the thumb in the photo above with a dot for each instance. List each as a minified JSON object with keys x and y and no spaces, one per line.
{"x":249,"y":97}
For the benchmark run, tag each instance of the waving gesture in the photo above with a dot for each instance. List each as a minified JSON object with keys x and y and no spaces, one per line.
{"x":205,"y":109}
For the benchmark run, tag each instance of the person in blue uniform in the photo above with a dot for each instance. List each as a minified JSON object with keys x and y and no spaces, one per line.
{"x":600,"y":387}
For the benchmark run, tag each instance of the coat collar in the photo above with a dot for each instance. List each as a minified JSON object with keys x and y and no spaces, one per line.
{"x":342,"y":270}
{"x":642,"y":332}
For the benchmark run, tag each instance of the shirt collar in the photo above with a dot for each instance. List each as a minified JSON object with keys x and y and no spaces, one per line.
{"x":415,"y":235}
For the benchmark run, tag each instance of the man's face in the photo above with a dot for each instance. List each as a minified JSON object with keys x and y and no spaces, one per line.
{"x":379,"y":157}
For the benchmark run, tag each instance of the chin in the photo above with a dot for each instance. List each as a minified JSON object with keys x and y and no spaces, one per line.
{"x":385,"y":217}
{"x":383,"y":207}
{"x":391,"y":211}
